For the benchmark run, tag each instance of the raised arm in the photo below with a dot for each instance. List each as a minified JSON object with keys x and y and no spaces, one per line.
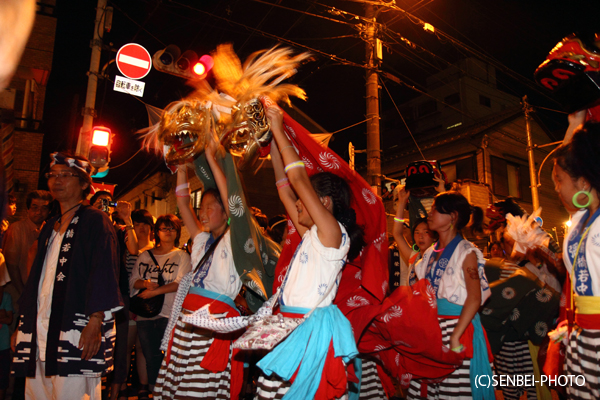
{"x":398,"y":231}
{"x":214,"y":150}
{"x":183,"y":202}
{"x":286,"y":193}
{"x":329,"y":230}
{"x":124,"y":211}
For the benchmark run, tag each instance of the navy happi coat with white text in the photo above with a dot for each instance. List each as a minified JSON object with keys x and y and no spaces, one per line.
{"x":86,"y":281}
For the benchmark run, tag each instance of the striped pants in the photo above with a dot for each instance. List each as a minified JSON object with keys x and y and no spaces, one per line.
{"x":457,"y":385}
{"x":514,"y":359}
{"x":183,"y":377}
{"x":583,"y":358}
{"x":370,"y":385}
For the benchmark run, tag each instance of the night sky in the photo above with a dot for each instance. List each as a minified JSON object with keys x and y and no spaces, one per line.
{"x":517,"y":34}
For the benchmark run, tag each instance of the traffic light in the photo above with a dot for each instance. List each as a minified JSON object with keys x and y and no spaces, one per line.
{"x":99,"y":155}
{"x":186,"y":65}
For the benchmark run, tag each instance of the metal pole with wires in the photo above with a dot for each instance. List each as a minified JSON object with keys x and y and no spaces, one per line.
{"x":89,"y":112}
{"x":373,"y":55}
{"x":535,"y":199}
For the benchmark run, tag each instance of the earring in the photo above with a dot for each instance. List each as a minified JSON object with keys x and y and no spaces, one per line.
{"x":451,"y":225}
{"x":576,"y":203}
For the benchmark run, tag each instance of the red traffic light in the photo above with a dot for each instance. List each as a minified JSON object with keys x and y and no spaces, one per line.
{"x":204,"y":64}
{"x":186,"y":65}
{"x":100,"y":136}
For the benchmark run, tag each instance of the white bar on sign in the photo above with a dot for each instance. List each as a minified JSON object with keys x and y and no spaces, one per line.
{"x":133,"y":61}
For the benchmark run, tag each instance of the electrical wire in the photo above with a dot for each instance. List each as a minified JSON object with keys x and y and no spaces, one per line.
{"x":130,"y":158}
{"x":348,"y":127}
{"x":400,"y":114}
{"x":138,"y":24}
{"x":333,"y":57}
{"x":303,"y":12}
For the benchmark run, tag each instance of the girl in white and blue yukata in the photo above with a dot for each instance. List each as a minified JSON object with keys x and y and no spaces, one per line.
{"x":576,"y":178}
{"x":454,"y":267}
{"x":319,"y":208}
{"x":199,"y":363}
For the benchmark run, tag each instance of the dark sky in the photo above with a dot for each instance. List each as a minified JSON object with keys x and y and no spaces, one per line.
{"x":518,"y":34}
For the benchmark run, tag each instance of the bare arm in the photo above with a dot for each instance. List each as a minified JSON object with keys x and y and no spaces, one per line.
{"x":286,"y":193}
{"x":329,"y":230}
{"x":398,"y":230}
{"x":168,"y":288}
{"x":212,"y":151}
{"x":185,"y":208}
{"x":472,"y":302}
{"x":124,"y":211}
{"x":575,"y":120}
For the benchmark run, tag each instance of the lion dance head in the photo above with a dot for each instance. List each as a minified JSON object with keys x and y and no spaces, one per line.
{"x":233,"y":113}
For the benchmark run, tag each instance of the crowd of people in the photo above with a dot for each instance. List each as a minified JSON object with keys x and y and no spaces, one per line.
{"x":86,"y":282}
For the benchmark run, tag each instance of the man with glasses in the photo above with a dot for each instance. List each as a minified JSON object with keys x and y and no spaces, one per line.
{"x":65,"y":338}
{"x":21,"y":235}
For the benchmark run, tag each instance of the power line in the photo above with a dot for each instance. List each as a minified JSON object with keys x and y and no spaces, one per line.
{"x":400,"y":114}
{"x":271,"y":36}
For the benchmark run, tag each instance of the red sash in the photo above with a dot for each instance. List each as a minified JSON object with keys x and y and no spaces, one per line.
{"x":217,"y":357}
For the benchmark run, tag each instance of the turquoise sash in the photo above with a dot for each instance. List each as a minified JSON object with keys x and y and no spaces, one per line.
{"x":305,"y":351}
{"x":212,"y":295}
{"x":480,"y":364}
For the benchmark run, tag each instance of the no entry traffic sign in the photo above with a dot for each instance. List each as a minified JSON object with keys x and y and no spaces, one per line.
{"x":134,"y":61}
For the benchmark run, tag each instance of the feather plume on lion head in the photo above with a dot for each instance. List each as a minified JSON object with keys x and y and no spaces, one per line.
{"x":236,"y":115}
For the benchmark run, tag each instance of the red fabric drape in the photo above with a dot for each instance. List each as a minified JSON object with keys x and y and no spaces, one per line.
{"x":407,"y":346}
{"x":365,"y":281}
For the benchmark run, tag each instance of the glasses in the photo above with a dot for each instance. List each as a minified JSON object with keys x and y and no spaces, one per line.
{"x":62,"y":175}
{"x":165,"y":229}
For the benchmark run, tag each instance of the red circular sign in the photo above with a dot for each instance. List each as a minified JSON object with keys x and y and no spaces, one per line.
{"x":134,"y":61}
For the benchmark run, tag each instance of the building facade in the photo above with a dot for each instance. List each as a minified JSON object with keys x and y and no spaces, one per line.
{"x":22,"y":106}
{"x":478,"y":134}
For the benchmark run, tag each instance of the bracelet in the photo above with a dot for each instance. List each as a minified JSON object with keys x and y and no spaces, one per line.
{"x":182,"y":195}
{"x":399,"y":220}
{"x":282,"y":186}
{"x":293,"y":165}
{"x":281,"y":180}
{"x":458,"y":349}
{"x":128,"y":227}
{"x":182,"y":186}
{"x":286,"y":147}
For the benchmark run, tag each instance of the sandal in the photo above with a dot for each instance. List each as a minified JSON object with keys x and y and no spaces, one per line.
{"x":143,"y":393}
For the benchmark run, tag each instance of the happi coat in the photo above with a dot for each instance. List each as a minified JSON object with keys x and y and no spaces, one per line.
{"x":86,"y":282}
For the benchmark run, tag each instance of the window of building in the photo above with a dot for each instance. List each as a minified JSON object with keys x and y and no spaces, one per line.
{"x":510,"y":179}
{"x":485,"y":101}
{"x":426,"y":108}
{"x":454,"y":98}
{"x":464,"y":168}
{"x":137,"y":204}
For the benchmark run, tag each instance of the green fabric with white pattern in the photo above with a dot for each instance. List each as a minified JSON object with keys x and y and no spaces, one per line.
{"x":254,"y":255}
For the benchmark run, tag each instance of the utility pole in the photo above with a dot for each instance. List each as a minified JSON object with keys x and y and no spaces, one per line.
{"x":373,"y":55}
{"x":535,"y":199}
{"x":89,"y":112}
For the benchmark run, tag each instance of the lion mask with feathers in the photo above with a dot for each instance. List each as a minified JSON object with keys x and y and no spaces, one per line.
{"x":233,"y":112}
